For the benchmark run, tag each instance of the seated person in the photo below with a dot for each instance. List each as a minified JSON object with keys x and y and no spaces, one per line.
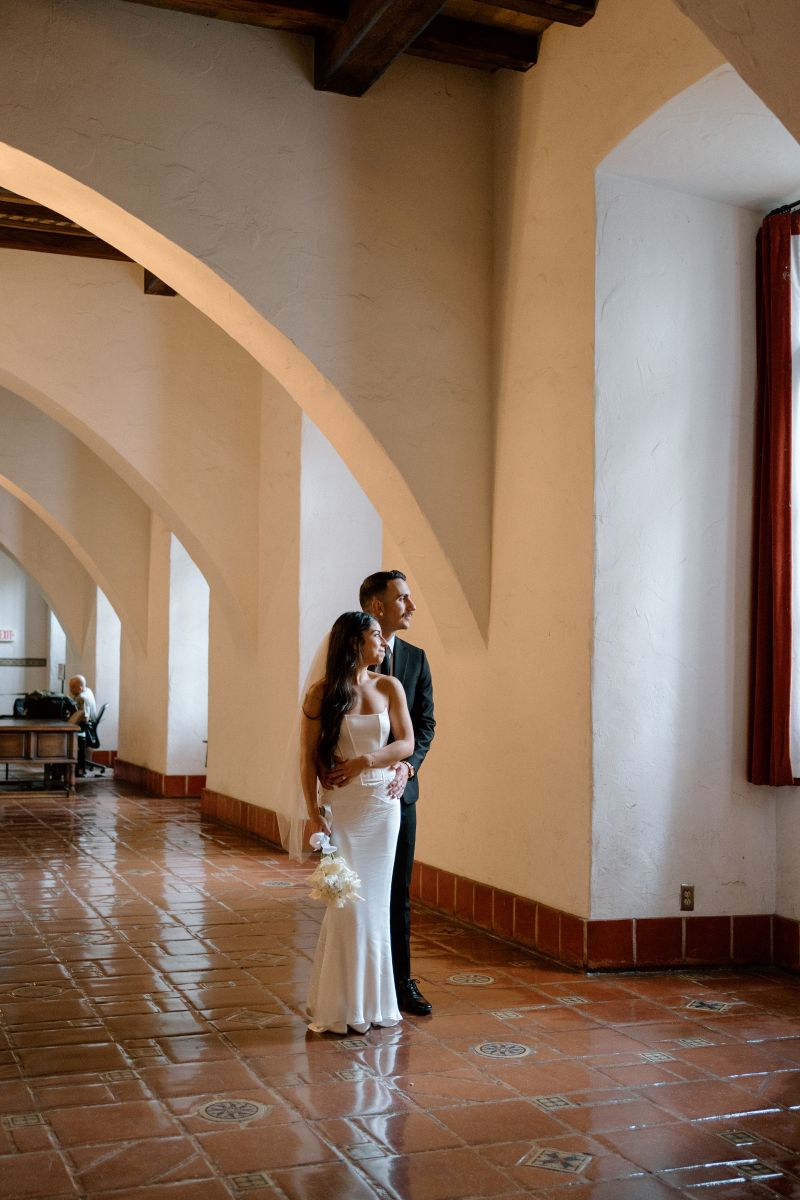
{"x":86,"y":710}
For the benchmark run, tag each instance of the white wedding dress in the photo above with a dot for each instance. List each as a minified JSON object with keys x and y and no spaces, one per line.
{"x":352,"y":982}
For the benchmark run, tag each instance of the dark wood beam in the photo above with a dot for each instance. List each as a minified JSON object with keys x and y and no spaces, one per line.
{"x":82,"y":246}
{"x":301,"y":16}
{"x":562,"y":12}
{"x":154,"y":286}
{"x":374,"y":34}
{"x":484,"y":46}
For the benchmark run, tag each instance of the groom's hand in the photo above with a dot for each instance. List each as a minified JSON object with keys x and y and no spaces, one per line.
{"x":401,"y":778}
{"x":331,"y":779}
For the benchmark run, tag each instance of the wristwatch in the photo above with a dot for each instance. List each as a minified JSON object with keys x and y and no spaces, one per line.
{"x":411,"y":771}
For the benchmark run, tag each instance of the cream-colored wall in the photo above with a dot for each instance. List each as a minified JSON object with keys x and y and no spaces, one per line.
{"x":65,"y":584}
{"x":162,"y":397}
{"x":760,"y":39}
{"x":24,"y":610}
{"x":364,"y":232}
{"x":86,"y":504}
{"x":554,"y":125}
{"x":144,"y":670}
{"x":187,"y":704}
{"x":360,"y":231}
{"x":356,"y":234}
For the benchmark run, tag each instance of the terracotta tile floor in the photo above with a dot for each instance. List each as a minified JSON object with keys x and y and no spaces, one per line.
{"x":153,"y":969}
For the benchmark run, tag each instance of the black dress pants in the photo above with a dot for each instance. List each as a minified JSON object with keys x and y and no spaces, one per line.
{"x":400,"y":902}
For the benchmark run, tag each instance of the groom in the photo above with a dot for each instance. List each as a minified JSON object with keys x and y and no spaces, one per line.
{"x":386,"y":597}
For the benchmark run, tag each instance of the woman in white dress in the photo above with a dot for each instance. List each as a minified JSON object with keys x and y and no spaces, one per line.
{"x":347,"y":718}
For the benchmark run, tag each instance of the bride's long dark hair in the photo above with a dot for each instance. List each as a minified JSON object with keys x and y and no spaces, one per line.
{"x":341,"y":667}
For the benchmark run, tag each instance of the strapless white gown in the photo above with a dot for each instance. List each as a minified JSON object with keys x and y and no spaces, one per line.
{"x":352,"y":982}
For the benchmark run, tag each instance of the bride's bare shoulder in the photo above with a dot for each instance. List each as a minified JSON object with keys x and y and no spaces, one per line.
{"x":312,"y":701}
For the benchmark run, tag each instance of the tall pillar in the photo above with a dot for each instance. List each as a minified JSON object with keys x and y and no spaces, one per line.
{"x":319,"y":537}
{"x":144,"y":679}
{"x":187,"y":711}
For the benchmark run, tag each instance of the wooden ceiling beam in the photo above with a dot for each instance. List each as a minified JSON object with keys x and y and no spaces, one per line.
{"x":153,"y":286}
{"x":485,"y":46}
{"x":301,"y":16}
{"x":79,"y":245}
{"x":375,"y":33}
{"x":561,"y":12}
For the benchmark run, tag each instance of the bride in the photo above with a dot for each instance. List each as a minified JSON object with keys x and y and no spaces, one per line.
{"x":347,"y":718}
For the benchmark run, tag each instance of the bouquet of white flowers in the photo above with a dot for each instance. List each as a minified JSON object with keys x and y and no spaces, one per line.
{"x":332,"y":880}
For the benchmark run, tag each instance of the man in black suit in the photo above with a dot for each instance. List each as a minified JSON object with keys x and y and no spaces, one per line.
{"x":386,"y":596}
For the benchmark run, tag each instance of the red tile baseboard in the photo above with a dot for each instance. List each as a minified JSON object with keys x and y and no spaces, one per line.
{"x":179,"y":786}
{"x":104,"y":757}
{"x":630,"y":943}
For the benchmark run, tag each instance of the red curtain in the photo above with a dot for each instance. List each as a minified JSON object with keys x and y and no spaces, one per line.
{"x":769,"y":759}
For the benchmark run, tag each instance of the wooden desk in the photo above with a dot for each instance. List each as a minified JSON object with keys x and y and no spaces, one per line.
{"x":39,"y":743}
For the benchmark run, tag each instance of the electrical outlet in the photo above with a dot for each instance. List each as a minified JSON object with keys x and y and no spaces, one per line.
{"x":687,"y":897}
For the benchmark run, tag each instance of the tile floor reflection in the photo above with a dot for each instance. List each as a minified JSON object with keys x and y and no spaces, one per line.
{"x":153,"y":969}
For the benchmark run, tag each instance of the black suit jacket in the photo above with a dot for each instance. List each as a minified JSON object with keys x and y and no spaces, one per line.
{"x":410,"y":666}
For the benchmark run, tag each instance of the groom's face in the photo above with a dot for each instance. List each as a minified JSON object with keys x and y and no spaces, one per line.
{"x":395,"y":608}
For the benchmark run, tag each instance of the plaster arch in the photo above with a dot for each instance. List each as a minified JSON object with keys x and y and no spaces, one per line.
{"x":348,"y":249}
{"x":759,"y":38}
{"x":63,"y":581}
{"x":295,"y":373}
{"x":97,"y":517}
{"x":157,"y":392}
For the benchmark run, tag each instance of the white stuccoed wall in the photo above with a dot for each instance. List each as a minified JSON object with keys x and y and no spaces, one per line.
{"x":360,"y":230}
{"x":107,"y":661}
{"x":144,"y":670}
{"x":188,"y":665}
{"x":340,"y":541}
{"x":673,"y":497}
{"x":23,"y":609}
{"x":56,"y":654}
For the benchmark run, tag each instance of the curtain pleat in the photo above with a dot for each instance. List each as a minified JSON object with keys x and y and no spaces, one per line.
{"x":769,"y":759}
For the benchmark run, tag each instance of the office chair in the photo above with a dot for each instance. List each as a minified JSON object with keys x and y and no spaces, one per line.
{"x":92,"y":742}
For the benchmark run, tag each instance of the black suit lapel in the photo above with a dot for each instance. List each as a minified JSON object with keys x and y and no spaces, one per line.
{"x":399,"y":660}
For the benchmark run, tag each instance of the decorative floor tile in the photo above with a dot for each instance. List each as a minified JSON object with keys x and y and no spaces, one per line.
{"x":503,"y":1049}
{"x":351,"y":1074}
{"x":248,"y":1181}
{"x":551,"y":1103}
{"x":757,"y":1170}
{"x":740,"y":1137}
{"x":38,"y":991}
{"x":23,"y":1120}
{"x":719,"y":1006}
{"x":199,"y":981}
{"x":232,"y":1111}
{"x":365,"y":1150}
{"x":569,"y":1162}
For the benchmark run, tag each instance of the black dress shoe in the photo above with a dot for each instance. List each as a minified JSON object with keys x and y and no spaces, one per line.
{"x":411,"y":1000}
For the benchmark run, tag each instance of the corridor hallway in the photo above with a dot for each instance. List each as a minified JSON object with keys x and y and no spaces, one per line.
{"x":153,"y":968}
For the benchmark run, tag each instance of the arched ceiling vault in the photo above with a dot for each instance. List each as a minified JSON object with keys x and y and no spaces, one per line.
{"x":296,"y":374}
{"x":64,"y":582}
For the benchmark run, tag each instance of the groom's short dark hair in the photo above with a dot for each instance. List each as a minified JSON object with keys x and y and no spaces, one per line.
{"x":375,"y":585}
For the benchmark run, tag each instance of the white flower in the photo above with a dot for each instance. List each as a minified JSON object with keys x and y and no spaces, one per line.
{"x":321,"y":841}
{"x":334,"y":882}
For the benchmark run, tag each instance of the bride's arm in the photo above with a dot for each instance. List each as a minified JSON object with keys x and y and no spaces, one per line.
{"x":387,"y":756}
{"x":310,"y":729}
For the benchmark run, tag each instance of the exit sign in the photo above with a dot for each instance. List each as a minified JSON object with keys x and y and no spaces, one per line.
{"x":6,"y":635}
